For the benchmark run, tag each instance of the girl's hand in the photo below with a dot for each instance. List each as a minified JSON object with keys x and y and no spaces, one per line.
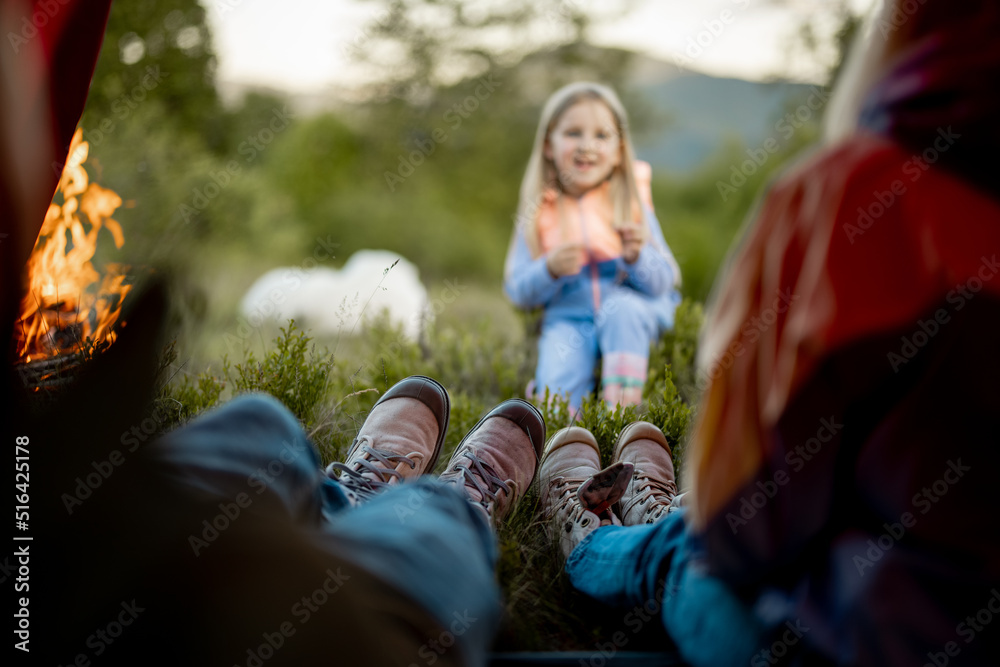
{"x":565,"y":259}
{"x":631,"y":244}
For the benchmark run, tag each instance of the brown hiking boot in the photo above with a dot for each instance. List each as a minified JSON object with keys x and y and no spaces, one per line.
{"x":495,"y":462}
{"x":400,"y":439}
{"x":652,"y":488}
{"x":576,"y":495}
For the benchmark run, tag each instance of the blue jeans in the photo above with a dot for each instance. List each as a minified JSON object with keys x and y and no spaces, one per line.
{"x":422,"y":538}
{"x":658,"y":567}
{"x":570,"y":344}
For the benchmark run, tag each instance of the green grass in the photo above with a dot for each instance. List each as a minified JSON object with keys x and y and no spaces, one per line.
{"x":483,"y":354}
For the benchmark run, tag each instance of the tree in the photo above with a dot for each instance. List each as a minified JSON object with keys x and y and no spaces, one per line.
{"x":156,"y":50}
{"x":415,"y":46}
{"x":826,"y":37}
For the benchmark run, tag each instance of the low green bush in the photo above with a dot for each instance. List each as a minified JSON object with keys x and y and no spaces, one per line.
{"x":331,"y":393}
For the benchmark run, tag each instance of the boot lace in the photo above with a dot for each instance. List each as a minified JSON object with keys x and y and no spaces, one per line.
{"x":659,"y":494}
{"x":355,"y":477}
{"x":567,"y":503}
{"x":481,"y":472}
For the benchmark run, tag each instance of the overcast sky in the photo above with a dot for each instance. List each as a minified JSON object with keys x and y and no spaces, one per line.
{"x":298,"y":45}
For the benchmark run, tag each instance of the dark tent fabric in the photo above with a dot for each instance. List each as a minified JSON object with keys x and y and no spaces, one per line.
{"x":46,"y":66}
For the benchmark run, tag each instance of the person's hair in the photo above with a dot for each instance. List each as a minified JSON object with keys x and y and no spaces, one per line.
{"x":541,"y":172}
{"x":861,"y":69}
{"x":871,"y":54}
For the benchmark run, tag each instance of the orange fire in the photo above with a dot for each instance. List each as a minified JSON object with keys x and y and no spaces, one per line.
{"x":62,"y":308}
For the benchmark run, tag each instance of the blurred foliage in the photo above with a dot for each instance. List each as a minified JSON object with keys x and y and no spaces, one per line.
{"x":815,"y":40}
{"x":292,"y":372}
{"x":155,"y":50}
{"x":677,"y":350}
{"x":415,"y":47}
{"x":662,"y":406}
{"x":331,"y":394}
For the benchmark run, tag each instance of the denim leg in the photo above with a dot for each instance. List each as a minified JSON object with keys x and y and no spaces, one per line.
{"x":427,"y":541}
{"x":423,"y":539}
{"x":627,"y":322}
{"x":253,"y":445}
{"x":659,"y":564}
{"x":567,"y":356}
{"x":626,"y":327}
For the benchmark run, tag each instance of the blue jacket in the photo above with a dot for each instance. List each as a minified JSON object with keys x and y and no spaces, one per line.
{"x":655,"y":274}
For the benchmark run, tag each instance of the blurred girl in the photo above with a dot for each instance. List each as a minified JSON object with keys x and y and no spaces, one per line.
{"x":588,"y":249}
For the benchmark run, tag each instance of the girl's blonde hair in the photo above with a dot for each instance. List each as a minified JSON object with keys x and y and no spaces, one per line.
{"x":541,"y":172}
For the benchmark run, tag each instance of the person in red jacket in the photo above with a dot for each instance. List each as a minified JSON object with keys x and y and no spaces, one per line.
{"x":842,"y":507}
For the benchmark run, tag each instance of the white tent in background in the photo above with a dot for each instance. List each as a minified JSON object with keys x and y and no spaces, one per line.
{"x":329,"y":301}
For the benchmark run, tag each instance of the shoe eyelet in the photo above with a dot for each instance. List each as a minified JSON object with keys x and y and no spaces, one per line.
{"x":568,"y":527}
{"x":585,"y":522}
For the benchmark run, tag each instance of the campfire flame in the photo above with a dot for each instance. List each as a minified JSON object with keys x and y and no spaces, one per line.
{"x":62,"y":309}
